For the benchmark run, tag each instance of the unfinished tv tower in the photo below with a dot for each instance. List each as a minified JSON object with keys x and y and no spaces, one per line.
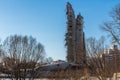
{"x":75,"y":42}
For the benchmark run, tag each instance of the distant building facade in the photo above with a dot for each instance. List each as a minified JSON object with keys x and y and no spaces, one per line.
{"x":75,"y":42}
{"x":111,"y":58}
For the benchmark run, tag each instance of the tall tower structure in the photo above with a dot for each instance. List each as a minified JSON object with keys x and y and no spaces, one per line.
{"x":70,"y":35}
{"x":75,"y":37}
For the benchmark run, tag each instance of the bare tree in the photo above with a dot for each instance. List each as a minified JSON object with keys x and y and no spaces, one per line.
{"x":96,"y":63}
{"x":113,"y":27}
{"x":22,"y":54}
{"x":1,"y":56}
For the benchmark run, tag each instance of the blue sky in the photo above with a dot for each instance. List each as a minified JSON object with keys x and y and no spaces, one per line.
{"x":45,"y":20}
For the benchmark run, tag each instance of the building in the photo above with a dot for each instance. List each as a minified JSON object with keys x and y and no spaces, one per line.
{"x":111,"y":58}
{"x":75,"y":42}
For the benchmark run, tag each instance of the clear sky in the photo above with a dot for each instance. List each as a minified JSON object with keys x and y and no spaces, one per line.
{"x":45,"y":20}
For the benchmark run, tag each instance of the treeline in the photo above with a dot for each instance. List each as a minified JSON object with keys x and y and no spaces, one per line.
{"x":20,"y":55}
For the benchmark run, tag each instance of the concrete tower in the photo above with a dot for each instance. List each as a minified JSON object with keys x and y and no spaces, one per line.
{"x":75,"y":37}
{"x":70,"y":35}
